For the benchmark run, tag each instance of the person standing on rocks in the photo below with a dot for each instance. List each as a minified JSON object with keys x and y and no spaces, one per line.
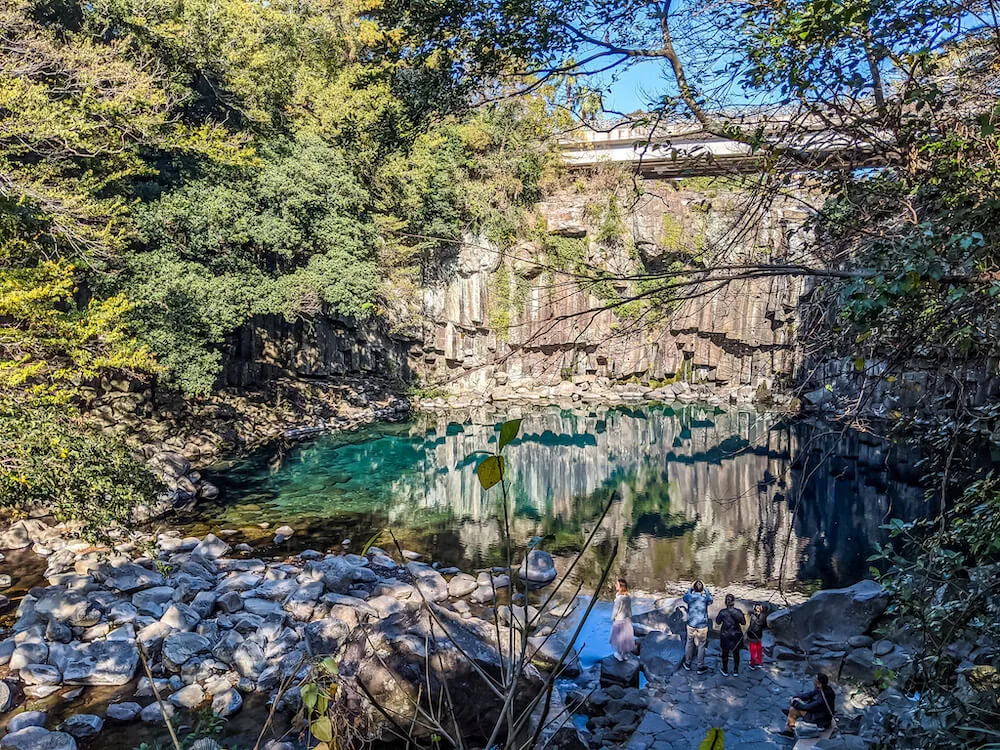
{"x":697,"y":599}
{"x":755,"y":636}
{"x":622,"y":632}
{"x":731,"y":622}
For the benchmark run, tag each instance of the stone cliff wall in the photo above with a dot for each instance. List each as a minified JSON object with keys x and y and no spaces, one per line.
{"x":324,"y":347}
{"x":521,"y":317}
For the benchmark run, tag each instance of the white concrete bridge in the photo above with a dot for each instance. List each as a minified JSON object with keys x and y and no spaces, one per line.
{"x":687,"y":150}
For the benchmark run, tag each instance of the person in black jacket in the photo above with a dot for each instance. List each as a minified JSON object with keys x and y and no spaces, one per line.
{"x":731,"y":621}
{"x":755,"y":636}
{"x":816,"y":706}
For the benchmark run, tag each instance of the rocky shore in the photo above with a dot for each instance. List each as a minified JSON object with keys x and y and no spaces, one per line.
{"x":218,"y":627}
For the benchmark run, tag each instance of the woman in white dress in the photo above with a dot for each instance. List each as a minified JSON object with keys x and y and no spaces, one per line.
{"x":622,"y":634}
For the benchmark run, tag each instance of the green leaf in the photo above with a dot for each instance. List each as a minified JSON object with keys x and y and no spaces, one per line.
{"x":329,"y":666}
{"x":713,"y":740}
{"x":490,"y":471}
{"x":322,"y":729}
{"x":310,"y":694}
{"x":508,"y":431}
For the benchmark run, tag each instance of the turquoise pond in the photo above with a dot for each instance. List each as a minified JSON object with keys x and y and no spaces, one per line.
{"x":728,"y":495}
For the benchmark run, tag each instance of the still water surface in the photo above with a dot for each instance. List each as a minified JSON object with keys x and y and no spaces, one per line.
{"x":728,"y":495}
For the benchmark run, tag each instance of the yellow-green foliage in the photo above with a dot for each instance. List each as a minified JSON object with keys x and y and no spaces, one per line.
{"x":508,"y":293}
{"x":48,"y":345}
{"x":672,"y":235}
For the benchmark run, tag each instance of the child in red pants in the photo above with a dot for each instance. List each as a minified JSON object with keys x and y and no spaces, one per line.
{"x":755,"y":636}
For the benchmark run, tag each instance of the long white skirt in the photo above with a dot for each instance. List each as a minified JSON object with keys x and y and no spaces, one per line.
{"x":623,"y":636}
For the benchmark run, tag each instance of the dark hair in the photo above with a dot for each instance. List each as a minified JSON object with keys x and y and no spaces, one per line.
{"x":698,"y":586}
{"x":624,"y":583}
{"x":823,"y":679}
{"x":730,"y":600}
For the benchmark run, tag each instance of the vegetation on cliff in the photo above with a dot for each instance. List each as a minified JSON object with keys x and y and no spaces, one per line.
{"x":169,"y":171}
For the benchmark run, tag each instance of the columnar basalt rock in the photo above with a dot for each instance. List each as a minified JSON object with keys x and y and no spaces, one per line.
{"x":501,"y":319}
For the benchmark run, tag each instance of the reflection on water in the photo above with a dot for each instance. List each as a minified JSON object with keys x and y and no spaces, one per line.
{"x":697,"y":491}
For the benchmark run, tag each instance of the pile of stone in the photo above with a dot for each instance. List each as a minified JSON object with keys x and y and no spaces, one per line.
{"x":830,"y":632}
{"x":214,"y":628}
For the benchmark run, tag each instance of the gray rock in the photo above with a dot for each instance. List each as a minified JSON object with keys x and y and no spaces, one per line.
{"x":326,"y":636}
{"x":623,"y":673}
{"x":7,"y":647}
{"x":153,"y":601}
{"x":40,"y":674}
{"x":15,"y":537}
{"x":180,"y":617}
{"x":860,"y":641}
{"x":82,"y":726}
{"x":386,"y":606}
{"x":28,"y":653}
{"x":179,"y":647}
{"x":883,"y":648}
{"x":190,"y":696}
{"x":127,"y":577}
{"x":170,"y":464}
{"x":262,"y":607}
{"x":661,"y":655}
{"x":154,"y":713}
{"x":26,"y":719}
{"x":152,"y":636}
{"x":227,"y":703}
{"x":483,"y":595}
{"x":211,"y":547}
{"x":538,"y":569}
{"x":336,"y":573}
{"x":827,"y":662}
{"x":836,"y":614}
{"x":104,"y":662}
{"x":230,"y":602}
{"x":71,"y":607}
{"x":461,"y":584}
{"x":36,"y":738}
{"x":301,"y":602}
{"x":283,"y":533}
{"x":248,"y":658}
{"x":8,"y":697}
{"x":124,"y":711}
{"x":859,"y":665}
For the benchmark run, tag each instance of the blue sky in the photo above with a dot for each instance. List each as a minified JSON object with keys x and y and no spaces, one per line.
{"x":632,"y":88}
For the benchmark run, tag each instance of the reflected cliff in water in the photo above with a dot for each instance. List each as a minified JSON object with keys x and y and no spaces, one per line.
{"x":725,"y":495}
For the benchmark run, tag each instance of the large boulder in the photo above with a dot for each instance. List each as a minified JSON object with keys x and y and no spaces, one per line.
{"x":126,"y":576}
{"x":36,"y":738}
{"x":623,"y":673}
{"x":836,"y":614}
{"x":107,"y":662}
{"x":428,"y":582}
{"x":538,"y":569}
{"x":662,"y":653}
{"x":412,"y":656}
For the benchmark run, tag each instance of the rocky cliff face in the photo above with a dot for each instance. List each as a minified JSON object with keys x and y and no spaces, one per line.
{"x":524,"y":316}
{"x":323,"y":347}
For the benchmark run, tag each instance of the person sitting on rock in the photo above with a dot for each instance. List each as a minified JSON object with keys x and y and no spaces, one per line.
{"x":697,"y":598}
{"x":755,"y":636}
{"x":622,"y":633}
{"x":816,"y":706}
{"x":731,"y":622}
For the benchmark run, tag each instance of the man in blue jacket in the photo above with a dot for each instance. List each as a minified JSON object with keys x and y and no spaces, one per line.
{"x":697,"y":598}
